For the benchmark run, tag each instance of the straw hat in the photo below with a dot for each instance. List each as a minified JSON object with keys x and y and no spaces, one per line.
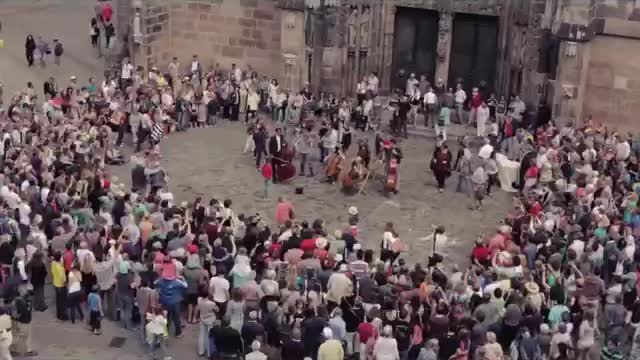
{"x":532,"y":287}
{"x":353,"y":211}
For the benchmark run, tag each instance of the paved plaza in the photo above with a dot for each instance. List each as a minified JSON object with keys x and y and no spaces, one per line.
{"x":209,"y":163}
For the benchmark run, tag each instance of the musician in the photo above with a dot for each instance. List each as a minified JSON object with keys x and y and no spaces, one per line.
{"x":392,"y":158}
{"x":334,"y":165}
{"x":353,"y":180}
{"x":364,"y":153}
{"x":276,"y":143}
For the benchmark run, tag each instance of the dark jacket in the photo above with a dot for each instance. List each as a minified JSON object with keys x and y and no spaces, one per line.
{"x":273,"y":145}
{"x":228,"y":340}
{"x":260,"y":139}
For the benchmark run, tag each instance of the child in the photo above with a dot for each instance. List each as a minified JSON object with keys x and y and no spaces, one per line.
{"x":267,"y":173}
{"x":95,"y":310}
{"x":156,"y":330}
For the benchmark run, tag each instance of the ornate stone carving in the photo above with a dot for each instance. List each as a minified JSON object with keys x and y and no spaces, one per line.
{"x":444,"y":34}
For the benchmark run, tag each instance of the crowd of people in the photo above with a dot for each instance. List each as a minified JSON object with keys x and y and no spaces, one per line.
{"x":558,"y":279}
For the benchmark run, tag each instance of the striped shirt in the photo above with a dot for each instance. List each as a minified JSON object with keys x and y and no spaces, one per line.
{"x":157,"y":132}
{"x":105,"y":274}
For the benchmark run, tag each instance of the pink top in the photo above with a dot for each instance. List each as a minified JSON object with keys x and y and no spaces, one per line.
{"x":284,"y":211}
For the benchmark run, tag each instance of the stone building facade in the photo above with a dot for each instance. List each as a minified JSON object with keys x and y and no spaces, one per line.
{"x":560,"y":53}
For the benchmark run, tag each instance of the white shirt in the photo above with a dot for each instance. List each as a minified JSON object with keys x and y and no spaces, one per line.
{"x":411,"y":86}
{"x":253,"y":100}
{"x":372,"y":84}
{"x":220,"y":287}
{"x":11,"y":198}
{"x":387,"y":240}
{"x":278,"y":142}
{"x":238,"y":74}
{"x":25,"y":210}
{"x":127,"y":71}
{"x":194,"y":66}
{"x":430,"y":98}
{"x":460,"y":96}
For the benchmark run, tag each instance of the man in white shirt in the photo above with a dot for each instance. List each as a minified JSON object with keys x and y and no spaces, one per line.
{"x":236,"y":72}
{"x":126,"y":74}
{"x":430,"y":105}
{"x":459,"y":97}
{"x":412,"y":85}
{"x":196,"y":71}
{"x":219,"y":286}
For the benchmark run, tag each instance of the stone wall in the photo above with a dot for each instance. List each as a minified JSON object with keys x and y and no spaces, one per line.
{"x":244,"y":32}
{"x":613,"y":82}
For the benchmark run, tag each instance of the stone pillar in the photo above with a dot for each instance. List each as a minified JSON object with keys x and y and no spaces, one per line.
{"x":387,"y":52}
{"x":573,"y":64}
{"x":445,"y":29}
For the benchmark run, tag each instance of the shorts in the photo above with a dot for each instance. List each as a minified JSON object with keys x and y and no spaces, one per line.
{"x":191,"y":299}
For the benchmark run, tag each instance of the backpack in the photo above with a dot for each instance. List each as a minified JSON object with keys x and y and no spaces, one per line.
{"x":57,"y":51}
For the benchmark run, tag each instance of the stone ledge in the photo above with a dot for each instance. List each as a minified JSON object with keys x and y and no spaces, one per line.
{"x":618,"y":27}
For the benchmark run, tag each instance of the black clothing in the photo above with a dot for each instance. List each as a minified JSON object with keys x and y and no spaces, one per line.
{"x":312,"y":334}
{"x":228,"y":340}
{"x":22,"y":310}
{"x":293,"y":350}
{"x":251,"y":330}
{"x":38,"y":273}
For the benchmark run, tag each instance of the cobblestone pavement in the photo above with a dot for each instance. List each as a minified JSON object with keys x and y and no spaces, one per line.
{"x":209,"y":163}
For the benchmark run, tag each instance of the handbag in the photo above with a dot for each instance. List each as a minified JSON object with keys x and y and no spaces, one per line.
{"x":398,"y":246}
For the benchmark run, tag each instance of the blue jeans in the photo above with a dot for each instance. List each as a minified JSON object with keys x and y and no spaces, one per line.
{"x":203,"y":340}
{"x":173,"y":317}
{"x":157,"y":342}
{"x":126,"y":309}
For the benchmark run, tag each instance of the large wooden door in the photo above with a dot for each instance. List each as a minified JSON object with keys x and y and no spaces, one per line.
{"x":415,"y":40}
{"x":474,"y":50}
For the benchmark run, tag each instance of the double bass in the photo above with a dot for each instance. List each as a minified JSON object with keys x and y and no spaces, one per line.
{"x":391,"y":182}
{"x":334,"y":166}
{"x":354,"y":178}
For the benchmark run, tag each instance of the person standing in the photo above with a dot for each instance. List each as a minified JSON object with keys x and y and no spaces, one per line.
{"x":174,"y":75}
{"x":267,"y":174}
{"x":94,"y":34}
{"x":481,"y":116}
{"x":275,"y":150}
{"x":304,"y":146}
{"x":124,"y":290}
{"x":260,"y":144}
{"x":94,"y":303}
{"x":171,"y":293}
{"x":59,"y":280}
{"x":30,"y":48}
{"x":109,"y":32}
{"x":22,"y":324}
{"x":460,"y":96}
{"x":476,"y":103}
{"x":441,"y":165}
{"x":196,"y":72}
{"x":57,"y":51}
{"x":38,"y":271}
{"x":253,"y":102}
{"x":126,"y":74}
{"x":431,"y":107}
{"x":444,"y":119}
